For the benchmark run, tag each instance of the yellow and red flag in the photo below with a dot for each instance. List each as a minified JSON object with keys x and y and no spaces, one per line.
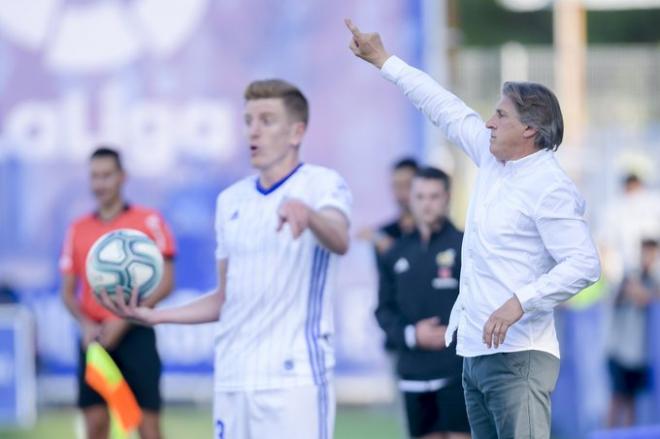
{"x":103,"y":375}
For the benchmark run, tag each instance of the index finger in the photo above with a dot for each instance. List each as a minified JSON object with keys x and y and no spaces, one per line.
{"x":352,"y":27}
{"x":280,"y":222}
{"x":135,"y":294}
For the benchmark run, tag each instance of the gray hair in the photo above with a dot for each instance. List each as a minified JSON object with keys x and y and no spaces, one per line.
{"x":537,"y":107}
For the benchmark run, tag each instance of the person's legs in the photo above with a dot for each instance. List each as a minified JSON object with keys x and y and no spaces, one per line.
{"x":628,"y":411}
{"x":94,"y":409}
{"x":434,"y":435}
{"x":296,"y":413}
{"x":97,"y":422}
{"x":452,"y":417}
{"x":482,"y":423}
{"x":613,"y":411}
{"x":230,"y":415}
{"x":138,"y":360}
{"x":517,"y":387}
{"x":626,"y":384}
{"x":421,"y":413}
{"x":150,"y":426}
{"x":617,"y":386}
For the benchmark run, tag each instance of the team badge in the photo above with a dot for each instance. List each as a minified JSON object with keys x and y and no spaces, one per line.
{"x":401,"y":266}
{"x":446,"y":258}
{"x":445,"y":261}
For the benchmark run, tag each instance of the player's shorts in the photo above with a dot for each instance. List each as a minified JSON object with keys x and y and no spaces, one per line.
{"x":627,"y":381}
{"x":138,"y":360}
{"x":442,"y":410}
{"x":306,"y":412}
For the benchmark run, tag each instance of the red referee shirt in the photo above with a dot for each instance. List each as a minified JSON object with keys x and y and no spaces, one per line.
{"x":87,"y":229}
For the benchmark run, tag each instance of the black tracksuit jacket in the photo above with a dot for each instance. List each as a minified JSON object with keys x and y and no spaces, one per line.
{"x":420,"y":280}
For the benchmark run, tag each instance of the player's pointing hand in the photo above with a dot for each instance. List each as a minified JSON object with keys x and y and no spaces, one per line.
{"x":296,"y":214}
{"x":367,"y":46}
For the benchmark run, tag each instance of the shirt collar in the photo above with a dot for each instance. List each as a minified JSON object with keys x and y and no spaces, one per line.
{"x":125,"y":208}
{"x":528,"y":161}
{"x":444,"y":227}
{"x":265,"y":191}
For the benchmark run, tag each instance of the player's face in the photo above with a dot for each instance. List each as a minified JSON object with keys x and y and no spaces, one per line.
{"x":401,"y":183}
{"x":106,"y":180}
{"x":273,"y":135}
{"x":429,"y":200}
{"x":508,"y":136}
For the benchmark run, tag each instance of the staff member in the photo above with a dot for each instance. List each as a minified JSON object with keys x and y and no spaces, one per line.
{"x":418,"y":287}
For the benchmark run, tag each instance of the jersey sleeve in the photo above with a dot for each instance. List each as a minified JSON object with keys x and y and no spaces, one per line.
{"x":332,"y":191}
{"x":220,"y":248}
{"x":161,"y":234}
{"x":67,"y":261}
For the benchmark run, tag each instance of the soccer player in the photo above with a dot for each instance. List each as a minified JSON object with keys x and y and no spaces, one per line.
{"x":278,"y":234}
{"x":133,"y":348}
{"x":417,"y":289}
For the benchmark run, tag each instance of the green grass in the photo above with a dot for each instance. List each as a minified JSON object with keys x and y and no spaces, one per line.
{"x":195,"y":422}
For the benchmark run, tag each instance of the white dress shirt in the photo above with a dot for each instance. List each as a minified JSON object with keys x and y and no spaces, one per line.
{"x":525,"y":232}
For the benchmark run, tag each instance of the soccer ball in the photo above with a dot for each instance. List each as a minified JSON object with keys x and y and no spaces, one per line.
{"x":126,"y":258}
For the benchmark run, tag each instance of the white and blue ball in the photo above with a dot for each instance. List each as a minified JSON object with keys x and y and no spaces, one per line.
{"x":126,"y":258}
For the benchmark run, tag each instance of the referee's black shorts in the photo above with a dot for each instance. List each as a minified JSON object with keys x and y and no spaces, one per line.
{"x":138,"y":360}
{"x":439,"y":411}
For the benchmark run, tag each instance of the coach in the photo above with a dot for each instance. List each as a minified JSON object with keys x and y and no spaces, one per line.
{"x":526,"y":247}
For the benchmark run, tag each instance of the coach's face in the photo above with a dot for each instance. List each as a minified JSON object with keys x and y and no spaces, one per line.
{"x":510,"y":139}
{"x":106,"y":179}
{"x":429,"y":200}
{"x":272,"y":133}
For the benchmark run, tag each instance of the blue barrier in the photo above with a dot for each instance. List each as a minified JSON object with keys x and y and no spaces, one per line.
{"x":581,"y":398}
{"x":17,"y":374}
{"x":650,"y":432}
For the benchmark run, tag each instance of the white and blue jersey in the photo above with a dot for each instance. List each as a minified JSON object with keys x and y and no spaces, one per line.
{"x":276,"y":325}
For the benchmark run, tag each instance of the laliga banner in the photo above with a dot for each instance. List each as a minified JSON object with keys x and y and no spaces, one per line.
{"x":162,"y":80}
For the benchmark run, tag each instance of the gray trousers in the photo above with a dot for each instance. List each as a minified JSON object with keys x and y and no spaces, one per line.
{"x":508,"y":394}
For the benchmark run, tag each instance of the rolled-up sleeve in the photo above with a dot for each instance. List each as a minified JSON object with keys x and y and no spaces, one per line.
{"x":560,"y":221}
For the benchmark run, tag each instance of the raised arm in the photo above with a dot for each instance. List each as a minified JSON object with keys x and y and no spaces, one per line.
{"x":459,"y":123}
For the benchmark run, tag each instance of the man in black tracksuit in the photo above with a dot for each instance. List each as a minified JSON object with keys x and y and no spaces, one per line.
{"x":418,"y":287}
